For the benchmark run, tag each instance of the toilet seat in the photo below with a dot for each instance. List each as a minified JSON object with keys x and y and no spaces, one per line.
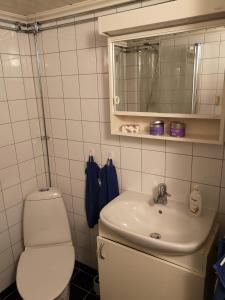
{"x":44,"y":272}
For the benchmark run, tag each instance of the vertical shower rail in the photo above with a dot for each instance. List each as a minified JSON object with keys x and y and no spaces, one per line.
{"x":45,"y":136}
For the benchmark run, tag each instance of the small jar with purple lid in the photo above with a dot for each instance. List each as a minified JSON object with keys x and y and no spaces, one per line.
{"x":157,"y":128}
{"x":177,"y":129}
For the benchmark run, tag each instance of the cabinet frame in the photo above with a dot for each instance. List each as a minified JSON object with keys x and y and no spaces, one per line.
{"x":207,"y":129}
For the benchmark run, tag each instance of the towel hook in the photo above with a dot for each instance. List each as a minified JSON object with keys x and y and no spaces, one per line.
{"x":110,"y":155}
{"x":92,"y":152}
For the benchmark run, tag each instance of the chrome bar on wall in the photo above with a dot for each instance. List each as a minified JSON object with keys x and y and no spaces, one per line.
{"x":197,"y":52}
{"x":45,"y":137}
{"x":55,"y":26}
{"x":13,"y":26}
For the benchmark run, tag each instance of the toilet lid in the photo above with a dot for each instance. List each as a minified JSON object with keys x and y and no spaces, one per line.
{"x":43,"y":273}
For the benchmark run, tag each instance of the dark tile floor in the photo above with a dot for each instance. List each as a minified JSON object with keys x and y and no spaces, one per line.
{"x":81,"y":285}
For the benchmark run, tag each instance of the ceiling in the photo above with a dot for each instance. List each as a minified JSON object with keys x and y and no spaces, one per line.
{"x":28,"y":7}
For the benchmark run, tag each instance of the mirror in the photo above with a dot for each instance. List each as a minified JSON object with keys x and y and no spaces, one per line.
{"x":177,"y":73}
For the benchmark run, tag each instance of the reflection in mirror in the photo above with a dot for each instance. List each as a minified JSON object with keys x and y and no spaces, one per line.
{"x":179,"y":73}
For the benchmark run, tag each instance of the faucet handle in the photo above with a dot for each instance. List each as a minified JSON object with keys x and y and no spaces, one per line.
{"x":162,"y":194}
{"x":163,"y":190}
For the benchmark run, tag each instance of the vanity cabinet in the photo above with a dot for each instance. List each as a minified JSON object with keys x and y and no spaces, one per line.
{"x":126,"y":273}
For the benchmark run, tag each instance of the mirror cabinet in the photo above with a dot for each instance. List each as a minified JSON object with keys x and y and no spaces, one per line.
{"x":172,"y":76}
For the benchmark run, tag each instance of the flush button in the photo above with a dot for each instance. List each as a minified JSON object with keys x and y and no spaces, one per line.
{"x":155,"y":235}
{"x":45,"y":189}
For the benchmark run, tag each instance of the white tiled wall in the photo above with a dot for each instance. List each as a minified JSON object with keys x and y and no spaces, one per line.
{"x":75,"y":77}
{"x":21,"y":153}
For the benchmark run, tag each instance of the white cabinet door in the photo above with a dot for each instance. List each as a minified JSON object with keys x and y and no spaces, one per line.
{"x":127,"y":274}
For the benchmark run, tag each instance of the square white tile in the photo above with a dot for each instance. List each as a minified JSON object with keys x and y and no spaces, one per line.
{"x":206,"y":170}
{"x":77,"y":169}
{"x":91,"y":132}
{"x":18,"y":110}
{"x":85,"y":35}
{"x":50,"y":41}
{"x":62,"y":167}
{"x":90,"y":109}
{"x":153,"y":162}
{"x":103,"y":85}
{"x":102,"y":59}
{"x":87,"y":61}
{"x":72,"y":109}
{"x":58,"y":128}
{"x":71,"y":86}
{"x":21,"y":131}
{"x":54,"y":85}
{"x":106,"y":137}
{"x":74,"y":130}
{"x":131,"y":180}
{"x":78,"y":187}
{"x":66,"y":36}
{"x":11,"y":65}
{"x":178,"y":166}
{"x":6,"y":136}
{"x":27,"y":170}
{"x":9,"y":176}
{"x":178,"y":147}
{"x":56,"y":107}
{"x":76,"y":150}
{"x":60,"y":148}
{"x":212,"y":151}
{"x":153,"y":145}
{"x":27,"y":69}
{"x":131,"y":159}
{"x":14,"y":214}
{"x":14,"y":88}
{"x":69,"y":63}
{"x":7,"y":156}
{"x":16,"y":233}
{"x":91,"y":82}
{"x":12,"y":196}
{"x":24,"y":151}
{"x":52,"y":64}
{"x":4,"y":113}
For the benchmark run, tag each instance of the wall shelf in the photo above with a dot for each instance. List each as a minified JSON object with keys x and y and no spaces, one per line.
{"x":200,"y":129}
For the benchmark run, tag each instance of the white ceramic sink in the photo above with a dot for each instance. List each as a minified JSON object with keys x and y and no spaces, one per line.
{"x":135,"y":217}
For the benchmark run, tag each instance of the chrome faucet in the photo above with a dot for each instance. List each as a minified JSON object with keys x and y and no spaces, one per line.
{"x":161,"y":195}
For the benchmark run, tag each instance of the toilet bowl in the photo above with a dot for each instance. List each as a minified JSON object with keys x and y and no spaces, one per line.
{"x":46,"y":265}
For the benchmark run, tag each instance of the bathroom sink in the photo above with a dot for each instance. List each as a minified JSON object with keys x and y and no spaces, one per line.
{"x":167,"y":228}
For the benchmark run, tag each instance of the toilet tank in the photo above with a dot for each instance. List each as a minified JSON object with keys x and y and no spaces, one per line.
{"x":45,"y":220}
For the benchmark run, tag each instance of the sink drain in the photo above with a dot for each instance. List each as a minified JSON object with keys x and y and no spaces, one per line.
{"x":155,"y":235}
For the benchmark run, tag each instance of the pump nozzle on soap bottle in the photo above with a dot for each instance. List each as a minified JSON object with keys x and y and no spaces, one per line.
{"x":195,"y":201}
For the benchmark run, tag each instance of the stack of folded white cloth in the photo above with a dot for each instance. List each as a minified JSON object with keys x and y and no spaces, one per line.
{"x":130,"y":128}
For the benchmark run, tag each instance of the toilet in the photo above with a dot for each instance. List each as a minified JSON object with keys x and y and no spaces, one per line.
{"x":46,"y":265}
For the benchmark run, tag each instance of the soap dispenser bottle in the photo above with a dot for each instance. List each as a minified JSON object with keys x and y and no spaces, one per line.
{"x":195,"y":201}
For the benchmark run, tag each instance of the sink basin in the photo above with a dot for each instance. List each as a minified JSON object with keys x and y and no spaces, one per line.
{"x":167,"y":228}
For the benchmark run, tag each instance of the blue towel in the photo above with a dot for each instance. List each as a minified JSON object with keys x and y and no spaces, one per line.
{"x":92,"y":192}
{"x":221,"y":248}
{"x":109,"y":184}
{"x":220,"y":270}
